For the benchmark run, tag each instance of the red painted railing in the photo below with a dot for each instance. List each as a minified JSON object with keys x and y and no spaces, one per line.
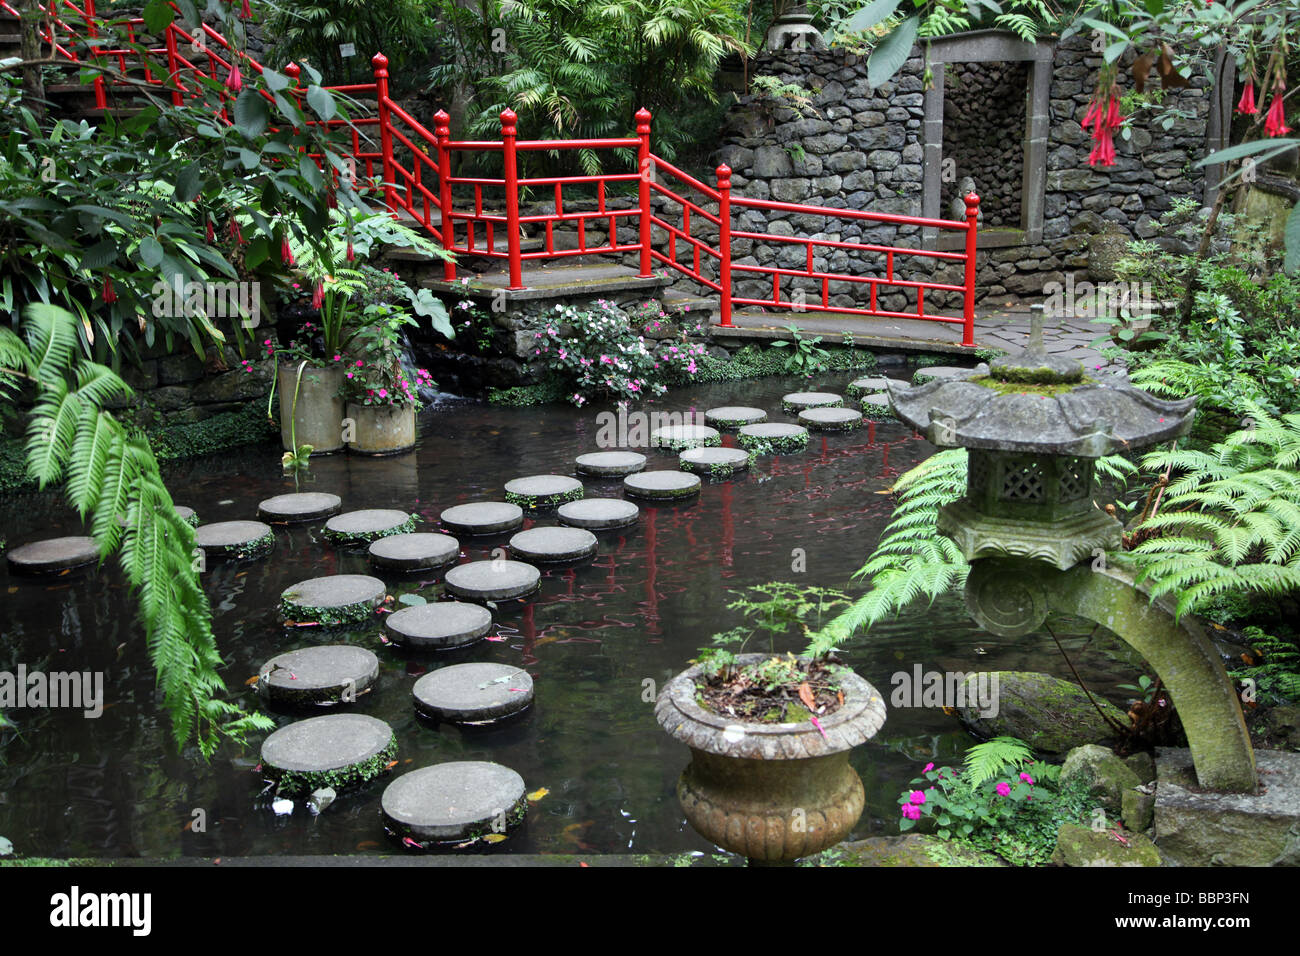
{"x":417,"y":180}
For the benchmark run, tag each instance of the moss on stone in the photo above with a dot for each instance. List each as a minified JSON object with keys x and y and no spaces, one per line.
{"x":1004,"y":387}
{"x":781,"y":445}
{"x":357,"y":538}
{"x":535,"y":502}
{"x":305,"y":781}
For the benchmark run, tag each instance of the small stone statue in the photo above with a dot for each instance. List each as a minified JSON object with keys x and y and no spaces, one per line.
{"x":957,"y":208}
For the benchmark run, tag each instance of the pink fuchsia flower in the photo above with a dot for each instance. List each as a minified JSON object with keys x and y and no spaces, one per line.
{"x":234,"y":82}
{"x":911,"y":812}
{"x":1246,"y":105}
{"x":1027,"y":779}
{"x":1004,"y":789}
{"x":917,"y":797}
{"x":1275,"y":124}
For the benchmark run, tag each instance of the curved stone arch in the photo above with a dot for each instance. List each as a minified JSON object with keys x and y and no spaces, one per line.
{"x":1011,"y":598}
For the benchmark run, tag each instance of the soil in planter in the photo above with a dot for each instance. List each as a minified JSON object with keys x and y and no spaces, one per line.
{"x":749,"y":694}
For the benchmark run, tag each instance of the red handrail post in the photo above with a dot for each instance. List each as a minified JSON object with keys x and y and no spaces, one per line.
{"x":968,"y":313}
{"x":724,"y":245}
{"x":442,"y":134}
{"x":645,"y":166}
{"x":174,"y":66}
{"x":380,"y":63}
{"x":92,"y":33}
{"x":509,"y":132}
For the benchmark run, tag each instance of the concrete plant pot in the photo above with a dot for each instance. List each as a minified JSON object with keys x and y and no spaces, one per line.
{"x":382,"y":429}
{"x":317,"y":417}
{"x":771,"y":792}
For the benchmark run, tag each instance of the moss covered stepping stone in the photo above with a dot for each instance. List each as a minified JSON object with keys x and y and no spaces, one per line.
{"x":416,"y":551}
{"x":338,"y":751}
{"x":830,"y":419}
{"x":598,"y":514}
{"x":473,"y":693}
{"x":876,"y":406}
{"x":924,"y":375}
{"x":496,"y":580}
{"x":662,"y":485}
{"x":543,"y":491}
{"x":550,"y":545}
{"x":866,"y":386}
{"x":333,"y":599}
{"x":714,"y":462}
{"x":54,"y":555}
{"x":796,"y":402}
{"x":483,"y":517}
{"x":439,"y":625}
{"x":235,"y":539}
{"x":354,"y":528}
{"x":609,"y":464}
{"x":188,"y":515}
{"x":775,"y":437}
{"x":328,"y":674}
{"x":454,"y":802}
{"x":679,"y":437}
{"x":733,"y":416}
{"x":305,"y":506}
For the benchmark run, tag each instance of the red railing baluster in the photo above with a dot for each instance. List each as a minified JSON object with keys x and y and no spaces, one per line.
{"x":508,"y":135}
{"x":380,"y":63}
{"x":645,"y":168}
{"x":174,"y":66}
{"x":968,"y":306}
{"x":442,"y":134}
{"x":724,"y":245}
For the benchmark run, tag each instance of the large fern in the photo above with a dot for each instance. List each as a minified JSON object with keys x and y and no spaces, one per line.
{"x":993,"y":757}
{"x":112,"y":480}
{"x":1230,"y":520}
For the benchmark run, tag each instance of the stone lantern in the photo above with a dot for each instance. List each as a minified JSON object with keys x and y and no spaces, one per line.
{"x":794,"y":30}
{"x":1035,"y":425}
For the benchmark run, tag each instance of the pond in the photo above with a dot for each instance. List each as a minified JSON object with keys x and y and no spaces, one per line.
{"x":595,"y":639}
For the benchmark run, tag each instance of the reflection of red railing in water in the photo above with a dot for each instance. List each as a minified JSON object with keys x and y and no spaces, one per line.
{"x":417,"y":179}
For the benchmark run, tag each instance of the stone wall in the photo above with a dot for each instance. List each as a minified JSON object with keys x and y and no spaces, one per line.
{"x":983,"y":136}
{"x":864,"y":149}
{"x":181,"y":389}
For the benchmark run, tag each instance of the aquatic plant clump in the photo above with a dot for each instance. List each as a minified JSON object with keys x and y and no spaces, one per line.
{"x":242,"y":550}
{"x":675,"y":445}
{"x":305,"y":781}
{"x":352,"y":539}
{"x":794,"y":408}
{"x":298,"y":614}
{"x":535,"y":502}
{"x":876,"y":407}
{"x":774,"y":445}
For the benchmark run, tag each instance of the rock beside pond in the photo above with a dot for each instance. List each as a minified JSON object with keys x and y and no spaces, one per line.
{"x":1105,"y":775}
{"x":1083,"y":846}
{"x":910,"y":849}
{"x":1049,"y":714}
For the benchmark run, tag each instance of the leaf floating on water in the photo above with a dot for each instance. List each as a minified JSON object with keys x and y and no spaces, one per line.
{"x":493,"y":837}
{"x":494,"y":638}
{"x":537,"y":794}
{"x":252,"y":681}
{"x":391,"y":765}
{"x":366,"y":844}
{"x":407,"y":841}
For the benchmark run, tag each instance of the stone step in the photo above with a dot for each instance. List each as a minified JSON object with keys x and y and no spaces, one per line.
{"x":548,"y":282}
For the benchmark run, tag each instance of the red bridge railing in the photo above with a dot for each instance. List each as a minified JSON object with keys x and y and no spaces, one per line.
{"x":417,"y":180}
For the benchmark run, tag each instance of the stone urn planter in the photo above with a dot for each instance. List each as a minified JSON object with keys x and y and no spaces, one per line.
{"x":311,"y":410}
{"x":381,"y":429}
{"x":772,"y":792}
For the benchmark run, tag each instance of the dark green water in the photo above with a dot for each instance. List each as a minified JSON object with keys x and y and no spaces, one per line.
{"x":592,"y":638}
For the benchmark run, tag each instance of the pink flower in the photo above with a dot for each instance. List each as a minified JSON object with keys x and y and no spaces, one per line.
{"x":1246,"y":105}
{"x":911,"y":812}
{"x":359,"y":363}
{"x":234,"y":82}
{"x":338,"y":358}
{"x":383,"y":393}
{"x":1027,"y":779}
{"x":1275,"y":124}
{"x":1004,"y":789}
{"x":928,"y":768}
{"x":917,"y":797}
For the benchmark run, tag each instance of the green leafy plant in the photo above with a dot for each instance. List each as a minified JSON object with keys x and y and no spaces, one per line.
{"x":806,"y":357}
{"x":111,"y":479}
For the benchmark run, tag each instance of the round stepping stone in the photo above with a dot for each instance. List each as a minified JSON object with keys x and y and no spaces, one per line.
{"x":775,"y":437}
{"x":339,"y":750}
{"x":441,"y":624}
{"x":328,"y":674}
{"x":453,"y":802}
{"x":609,"y":464}
{"x":876,"y":406}
{"x":417,"y":551}
{"x":680,"y":437}
{"x":483,"y":517}
{"x":473,"y":693}
{"x":53,"y":555}
{"x":598,"y":514}
{"x":188,"y":515}
{"x":733,"y":416}
{"x":924,"y":375}
{"x":866,"y":386}
{"x":662,"y":485}
{"x":333,"y":599}
{"x":361,"y":527}
{"x":796,"y":402}
{"x":305,"y":506}
{"x":830,"y":419}
{"x":550,"y":545}
{"x":543,"y":491}
{"x":714,"y":462}
{"x":493,"y":580}
{"x":235,"y":539}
